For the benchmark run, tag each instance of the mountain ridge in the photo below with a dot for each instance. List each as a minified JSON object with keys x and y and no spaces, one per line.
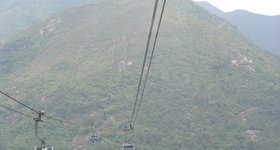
{"x":262,"y":29}
{"x":209,"y":86}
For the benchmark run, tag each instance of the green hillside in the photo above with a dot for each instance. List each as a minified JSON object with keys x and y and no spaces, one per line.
{"x":209,"y":87}
{"x":17,"y":15}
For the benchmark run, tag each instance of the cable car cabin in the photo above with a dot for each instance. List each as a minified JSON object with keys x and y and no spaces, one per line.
{"x":94,"y":139}
{"x":126,"y":128}
{"x":128,"y":146}
{"x":49,"y":148}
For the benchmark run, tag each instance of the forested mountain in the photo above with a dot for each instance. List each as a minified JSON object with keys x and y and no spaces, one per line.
{"x":209,"y":87}
{"x":262,"y":30}
{"x":16,"y":15}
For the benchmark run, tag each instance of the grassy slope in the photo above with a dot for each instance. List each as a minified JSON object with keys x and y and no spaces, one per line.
{"x":193,"y":99}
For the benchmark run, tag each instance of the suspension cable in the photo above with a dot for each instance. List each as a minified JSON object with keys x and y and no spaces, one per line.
{"x":144,"y":61}
{"x":16,"y":111}
{"x":18,"y":102}
{"x":49,"y":117}
{"x":139,"y":101}
{"x":26,"y":115}
{"x":150,"y":62}
{"x":139,"y":94}
{"x":64,"y":121}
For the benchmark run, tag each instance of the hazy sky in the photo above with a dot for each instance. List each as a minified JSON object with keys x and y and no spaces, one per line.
{"x":266,"y":7}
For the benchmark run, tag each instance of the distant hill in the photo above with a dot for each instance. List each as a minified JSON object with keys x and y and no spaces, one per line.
{"x":262,"y":30}
{"x":16,"y":15}
{"x":209,"y":86}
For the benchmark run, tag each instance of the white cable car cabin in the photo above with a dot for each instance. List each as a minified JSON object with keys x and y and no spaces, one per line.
{"x":128,"y":146}
{"x":49,"y":148}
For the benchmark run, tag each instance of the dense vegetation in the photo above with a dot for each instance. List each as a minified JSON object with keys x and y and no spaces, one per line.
{"x":209,"y":87}
{"x":16,"y":15}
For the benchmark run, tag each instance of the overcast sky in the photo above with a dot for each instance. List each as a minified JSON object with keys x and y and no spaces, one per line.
{"x":266,"y":7}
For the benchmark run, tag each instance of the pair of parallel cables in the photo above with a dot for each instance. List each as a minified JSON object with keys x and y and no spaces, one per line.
{"x":144,"y":74}
{"x":35,"y":111}
{"x":142,"y":81}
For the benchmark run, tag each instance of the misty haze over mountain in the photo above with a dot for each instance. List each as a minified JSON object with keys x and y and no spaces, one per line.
{"x":262,"y":30}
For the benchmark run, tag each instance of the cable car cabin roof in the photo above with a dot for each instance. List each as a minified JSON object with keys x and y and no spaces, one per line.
{"x":128,"y":146}
{"x":49,"y":148}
